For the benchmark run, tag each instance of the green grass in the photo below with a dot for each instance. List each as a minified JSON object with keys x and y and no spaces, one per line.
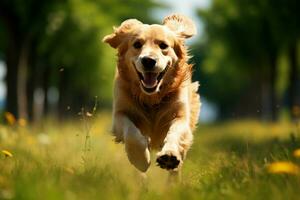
{"x":227,"y":161}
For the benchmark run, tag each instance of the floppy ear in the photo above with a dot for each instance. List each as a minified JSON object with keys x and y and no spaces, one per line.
{"x":115,"y":39}
{"x":181,"y":25}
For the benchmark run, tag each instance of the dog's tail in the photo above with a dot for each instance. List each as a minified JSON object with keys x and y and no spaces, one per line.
{"x":195,"y":104}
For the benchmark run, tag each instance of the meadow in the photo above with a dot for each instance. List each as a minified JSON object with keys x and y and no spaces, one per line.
{"x":78,"y":160}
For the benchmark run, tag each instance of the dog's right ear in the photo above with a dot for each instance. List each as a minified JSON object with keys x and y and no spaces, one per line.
{"x":115,"y":39}
{"x":183,"y":26}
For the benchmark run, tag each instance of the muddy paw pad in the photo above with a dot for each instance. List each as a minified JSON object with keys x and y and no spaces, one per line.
{"x":167,"y":162}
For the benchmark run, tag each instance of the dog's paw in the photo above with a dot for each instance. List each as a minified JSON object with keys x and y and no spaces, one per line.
{"x":168,"y":160}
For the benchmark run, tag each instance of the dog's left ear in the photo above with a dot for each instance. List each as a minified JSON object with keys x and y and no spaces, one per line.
{"x":181,"y":25}
{"x":115,"y":39}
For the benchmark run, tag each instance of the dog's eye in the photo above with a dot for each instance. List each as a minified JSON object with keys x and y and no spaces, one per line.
{"x":137,"y":45}
{"x":163,"y":45}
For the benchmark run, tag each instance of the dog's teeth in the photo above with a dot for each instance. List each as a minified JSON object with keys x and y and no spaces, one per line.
{"x":147,"y":86}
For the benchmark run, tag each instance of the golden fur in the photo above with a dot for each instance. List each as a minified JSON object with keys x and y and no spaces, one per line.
{"x":145,"y":121}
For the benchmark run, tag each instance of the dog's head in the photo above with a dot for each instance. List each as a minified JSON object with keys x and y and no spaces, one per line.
{"x":149,"y":51}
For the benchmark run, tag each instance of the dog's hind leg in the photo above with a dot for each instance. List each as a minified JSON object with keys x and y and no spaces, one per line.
{"x":136,"y":145}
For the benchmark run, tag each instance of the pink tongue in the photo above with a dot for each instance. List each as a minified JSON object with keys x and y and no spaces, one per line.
{"x":150,"y":79}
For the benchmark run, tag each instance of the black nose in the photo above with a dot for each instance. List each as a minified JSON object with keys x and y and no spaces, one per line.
{"x":148,"y":63}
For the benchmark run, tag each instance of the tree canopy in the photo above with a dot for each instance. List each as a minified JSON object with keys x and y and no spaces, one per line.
{"x":240,"y":57}
{"x":56,"y":46}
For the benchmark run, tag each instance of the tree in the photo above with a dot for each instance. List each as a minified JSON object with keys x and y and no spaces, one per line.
{"x":23,"y":22}
{"x":245,"y":38}
{"x":57,"y":45}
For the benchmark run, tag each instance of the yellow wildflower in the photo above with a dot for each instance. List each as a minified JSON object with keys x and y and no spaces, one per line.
{"x":296,"y":153}
{"x":283,"y":168}
{"x":7,"y":153}
{"x":10,"y":118}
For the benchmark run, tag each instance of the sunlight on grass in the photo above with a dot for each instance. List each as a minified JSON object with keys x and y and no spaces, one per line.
{"x":48,"y":161}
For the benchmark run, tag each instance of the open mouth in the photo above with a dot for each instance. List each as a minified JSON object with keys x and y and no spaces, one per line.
{"x":151,"y":80}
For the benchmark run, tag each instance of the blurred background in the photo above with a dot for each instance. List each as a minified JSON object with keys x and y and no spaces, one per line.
{"x":246,"y":55}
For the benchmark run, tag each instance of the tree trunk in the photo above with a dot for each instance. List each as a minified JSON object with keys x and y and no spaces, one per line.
{"x":45,"y":85}
{"x":64,"y":100}
{"x":273,"y":79}
{"x":293,"y":79}
{"x":31,"y":85}
{"x":265,"y":99}
{"x":22,"y":80}
{"x":11,"y":59}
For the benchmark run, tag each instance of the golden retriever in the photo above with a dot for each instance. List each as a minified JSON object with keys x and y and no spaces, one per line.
{"x":156,"y":105}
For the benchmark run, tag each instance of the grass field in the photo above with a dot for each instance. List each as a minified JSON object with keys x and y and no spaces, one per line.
{"x":79,"y":160}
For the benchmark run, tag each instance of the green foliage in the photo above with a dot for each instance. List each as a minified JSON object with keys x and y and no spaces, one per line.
{"x":220,"y":78}
{"x":63,"y":44}
{"x":73,"y":42}
{"x":243,"y":41}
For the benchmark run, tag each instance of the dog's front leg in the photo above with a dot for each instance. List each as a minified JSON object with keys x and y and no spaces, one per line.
{"x":176,"y":144}
{"x":136,"y":145}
